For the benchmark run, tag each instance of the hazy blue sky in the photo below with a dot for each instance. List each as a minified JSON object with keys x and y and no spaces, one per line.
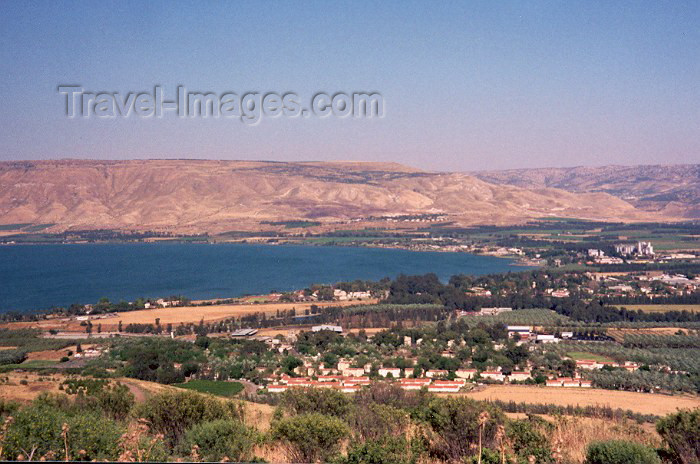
{"x":467,"y":85}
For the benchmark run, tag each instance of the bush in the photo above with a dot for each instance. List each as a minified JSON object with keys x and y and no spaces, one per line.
{"x":220,"y":438}
{"x":37,"y":430}
{"x":620,"y":452}
{"x":528,"y":441}
{"x":310,"y":437}
{"x":321,"y":401}
{"x":387,"y":450}
{"x":172,"y":413}
{"x":378,"y":420}
{"x":456,"y":423}
{"x":12,"y":356}
{"x":681,"y":431}
{"x":116,"y":401}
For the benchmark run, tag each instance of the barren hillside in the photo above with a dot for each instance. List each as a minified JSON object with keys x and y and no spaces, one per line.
{"x":672,"y":190}
{"x":214,"y":196}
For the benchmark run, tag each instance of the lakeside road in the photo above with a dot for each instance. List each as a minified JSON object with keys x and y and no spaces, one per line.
{"x":181,"y":314}
{"x":644,"y":403}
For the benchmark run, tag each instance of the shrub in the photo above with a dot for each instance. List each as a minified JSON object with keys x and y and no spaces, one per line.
{"x":378,"y":420}
{"x":620,"y":452}
{"x":460,"y":422}
{"x":218,"y":439}
{"x":527,"y":441}
{"x":172,"y":413}
{"x":321,"y":401}
{"x":116,"y":401}
{"x":310,"y":437}
{"x":681,"y":431}
{"x":37,"y":430}
{"x":386,"y":450}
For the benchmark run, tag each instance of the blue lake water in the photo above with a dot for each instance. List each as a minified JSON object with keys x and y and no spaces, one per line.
{"x":43,"y":276}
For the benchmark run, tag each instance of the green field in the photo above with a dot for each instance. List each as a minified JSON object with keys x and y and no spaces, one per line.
{"x":578,"y":355}
{"x":657,"y":308}
{"x":214,"y":387}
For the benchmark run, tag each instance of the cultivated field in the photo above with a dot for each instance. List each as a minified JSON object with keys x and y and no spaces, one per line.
{"x":212,"y":313}
{"x":175,"y":316}
{"x":656,"y":308}
{"x":644,"y":403}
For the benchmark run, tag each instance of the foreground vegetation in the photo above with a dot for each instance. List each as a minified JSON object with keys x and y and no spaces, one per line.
{"x":99,"y":420}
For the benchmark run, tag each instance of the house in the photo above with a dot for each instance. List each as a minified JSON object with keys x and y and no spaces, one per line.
{"x":630,"y":366}
{"x":277,"y":388}
{"x":465,"y":373}
{"x":569,"y":382}
{"x":553,"y":383}
{"x":355,"y":380}
{"x":444,"y":386}
{"x":349,"y":388}
{"x":326,"y":384}
{"x":493,"y":311}
{"x":414,"y":384}
{"x":519,"y":376}
{"x":544,"y":338}
{"x":587,"y":364}
{"x":394,"y":371}
{"x":332,"y":328}
{"x":330,"y":378}
{"x":434,"y":373}
{"x":353,"y":372}
{"x":586,"y":384}
{"x":244,"y":333}
{"x":493,"y":375}
{"x":344,"y":364}
{"x":523,"y":330}
{"x":561,"y":293}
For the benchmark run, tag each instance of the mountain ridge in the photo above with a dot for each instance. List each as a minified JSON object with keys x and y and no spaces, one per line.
{"x":218,"y":195}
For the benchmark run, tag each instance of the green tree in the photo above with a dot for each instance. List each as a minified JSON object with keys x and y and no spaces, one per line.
{"x":310,"y":437}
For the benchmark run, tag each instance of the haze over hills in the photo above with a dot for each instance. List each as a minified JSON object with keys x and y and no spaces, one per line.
{"x":672,"y":190}
{"x":216,"y":196}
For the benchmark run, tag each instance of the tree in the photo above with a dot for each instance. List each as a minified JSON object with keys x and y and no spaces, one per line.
{"x":681,"y":431}
{"x":310,"y":437}
{"x":219,"y":439}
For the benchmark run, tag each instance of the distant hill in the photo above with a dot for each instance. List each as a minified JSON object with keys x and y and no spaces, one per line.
{"x":214,"y":196}
{"x":672,"y":190}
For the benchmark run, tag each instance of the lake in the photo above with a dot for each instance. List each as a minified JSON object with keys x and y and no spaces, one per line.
{"x":37,"y":277}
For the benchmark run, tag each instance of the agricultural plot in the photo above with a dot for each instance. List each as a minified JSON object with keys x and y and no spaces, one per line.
{"x":213,"y":387}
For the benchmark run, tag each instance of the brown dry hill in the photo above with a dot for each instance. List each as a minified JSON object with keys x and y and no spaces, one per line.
{"x":215,"y":196}
{"x":670,"y":189}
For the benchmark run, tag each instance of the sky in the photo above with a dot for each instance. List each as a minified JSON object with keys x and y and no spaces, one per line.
{"x":466,"y":85}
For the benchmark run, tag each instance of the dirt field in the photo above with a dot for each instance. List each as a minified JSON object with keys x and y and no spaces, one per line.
{"x":645,"y":403}
{"x":183,"y":314}
{"x":13,"y":390}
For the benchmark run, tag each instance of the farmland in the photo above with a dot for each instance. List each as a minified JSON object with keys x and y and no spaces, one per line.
{"x":214,"y":387}
{"x":653,"y":308}
{"x":644,"y":403}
